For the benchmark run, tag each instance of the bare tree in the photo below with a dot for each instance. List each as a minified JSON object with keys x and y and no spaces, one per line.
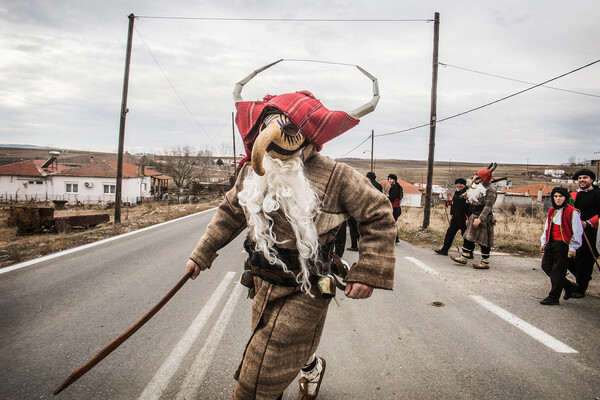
{"x":572,"y":161}
{"x":179,"y":164}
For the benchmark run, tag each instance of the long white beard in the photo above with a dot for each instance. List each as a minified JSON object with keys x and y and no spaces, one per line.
{"x":475,"y":195}
{"x":283,"y":187}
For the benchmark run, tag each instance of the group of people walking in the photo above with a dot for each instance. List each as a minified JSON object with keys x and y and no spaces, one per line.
{"x":569,"y":242}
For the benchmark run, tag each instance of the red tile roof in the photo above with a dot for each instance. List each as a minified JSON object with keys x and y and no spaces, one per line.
{"x":531,"y":189}
{"x":407,"y":187}
{"x":108,"y":169}
{"x":29,"y":168}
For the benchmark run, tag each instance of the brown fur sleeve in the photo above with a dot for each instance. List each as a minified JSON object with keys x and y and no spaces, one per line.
{"x":373,"y":212}
{"x":228,"y":222}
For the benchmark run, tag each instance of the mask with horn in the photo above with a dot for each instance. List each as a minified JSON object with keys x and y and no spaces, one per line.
{"x":484,"y":175}
{"x":283,"y":125}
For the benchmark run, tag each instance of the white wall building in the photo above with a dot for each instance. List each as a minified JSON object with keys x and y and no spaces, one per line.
{"x":90,"y":183}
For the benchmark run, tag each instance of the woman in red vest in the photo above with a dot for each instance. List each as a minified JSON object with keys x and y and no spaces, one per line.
{"x":560,"y":241}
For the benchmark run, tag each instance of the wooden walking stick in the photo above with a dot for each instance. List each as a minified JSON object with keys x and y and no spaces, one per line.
{"x":591,"y":249}
{"x":78,"y":373}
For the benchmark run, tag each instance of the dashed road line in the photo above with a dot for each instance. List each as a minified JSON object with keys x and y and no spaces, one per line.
{"x":195,"y":375}
{"x":163,"y":376}
{"x":423,"y":266}
{"x":526,"y":327}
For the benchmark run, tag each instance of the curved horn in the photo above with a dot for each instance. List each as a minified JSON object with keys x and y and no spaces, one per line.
{"x":492,"y":167}
{"x":237,"y":92}
{"x":260,"y":147}
{"x":370,"y":106}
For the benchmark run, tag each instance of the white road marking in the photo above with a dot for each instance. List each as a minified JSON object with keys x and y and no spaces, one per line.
{"x":163,"y":376}
{"x":529,"y":329}
{"x":197,"y":371}
{"x":87,"y":246}
{"x":423,"y":266}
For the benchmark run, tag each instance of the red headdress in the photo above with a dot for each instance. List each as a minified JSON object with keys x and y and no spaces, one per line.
{"x":318,"y":124}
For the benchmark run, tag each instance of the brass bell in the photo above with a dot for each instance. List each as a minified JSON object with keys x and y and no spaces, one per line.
{"x":327,"y":286}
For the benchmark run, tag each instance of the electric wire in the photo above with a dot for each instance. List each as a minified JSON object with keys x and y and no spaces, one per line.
{"x":360,"y":144}
{"x":493,"y":102}
{"x":282,"y":19}
{"x":173,"y":87}
{"x":515,"y":80}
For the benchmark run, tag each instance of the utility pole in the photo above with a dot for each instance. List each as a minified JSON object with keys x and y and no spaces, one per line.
{"x":124,"y":111}
{"x":432,"y":121}
{"x":372,"y":145}
{"x":235,"y":168}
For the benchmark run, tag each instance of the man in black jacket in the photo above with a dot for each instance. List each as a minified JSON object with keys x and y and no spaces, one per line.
{"x":395,"y":195}
{"x":587,"y":201}
{"x":459,"y":212}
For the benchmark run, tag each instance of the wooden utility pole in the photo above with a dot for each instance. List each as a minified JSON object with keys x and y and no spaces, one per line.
{"x":372,"y":145}
{"x":235,"y":168}
{"x":432,"y":121}
{"x":124,"y":111}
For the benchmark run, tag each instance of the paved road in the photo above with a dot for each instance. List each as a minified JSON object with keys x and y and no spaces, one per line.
{"x":490,"y":339}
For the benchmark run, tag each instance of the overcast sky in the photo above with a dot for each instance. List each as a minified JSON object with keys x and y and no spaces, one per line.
{"x":62,"y":64}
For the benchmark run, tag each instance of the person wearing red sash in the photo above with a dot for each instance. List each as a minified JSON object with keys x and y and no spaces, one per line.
{"x":395,"y":195}
{"x":560,"y":240}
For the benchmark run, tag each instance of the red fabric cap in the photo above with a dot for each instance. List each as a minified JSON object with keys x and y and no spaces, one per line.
{"x":318,"y":124}
{"x":485,"y":175}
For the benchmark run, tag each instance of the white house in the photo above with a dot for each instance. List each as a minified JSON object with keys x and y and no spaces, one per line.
{"x":31,"y":179}
{"x":97,"y":182}
{"x":556,"y":173}
{"x":436,"y":187}
{"x":412,"y":194}
{"x":90,"y":183}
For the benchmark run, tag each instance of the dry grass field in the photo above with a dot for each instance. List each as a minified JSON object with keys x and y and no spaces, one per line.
{"x":517,"y":231}
{"x":15,"y":248}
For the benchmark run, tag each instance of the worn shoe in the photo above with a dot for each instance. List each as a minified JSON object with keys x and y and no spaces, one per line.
{"x":481,"y":265}
{"x":549,"y":301}
{"x":441,"y":252}
{"x":577,"y":295}
{"x":310,"y":382}
{"x":352,"y":248}
{"x":461,"y":260}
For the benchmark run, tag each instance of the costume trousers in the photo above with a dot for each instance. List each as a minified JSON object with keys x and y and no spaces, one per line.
{"x":469,"y":247}
{"x":582,"y":267}
{"x":286,"y":329}
{"x":354,"y":235}
{"x":340,"y":240}
{"x":455,"y":226}
{"x":555,"y":263}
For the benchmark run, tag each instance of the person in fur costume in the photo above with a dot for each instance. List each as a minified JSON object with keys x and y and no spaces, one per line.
{"x":292,"y":200}
{"x":481,"y":197}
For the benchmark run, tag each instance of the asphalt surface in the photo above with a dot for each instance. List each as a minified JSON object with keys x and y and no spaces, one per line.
{"x":445,"y":332}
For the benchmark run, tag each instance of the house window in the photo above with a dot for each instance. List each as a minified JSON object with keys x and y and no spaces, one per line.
{"x":110,"y":189}
{"x":71,"y":187}
{"x":144,"y":187}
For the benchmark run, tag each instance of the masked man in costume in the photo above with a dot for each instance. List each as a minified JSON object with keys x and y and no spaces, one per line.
{"x":292,"y":200}
{"x":481,"y":197}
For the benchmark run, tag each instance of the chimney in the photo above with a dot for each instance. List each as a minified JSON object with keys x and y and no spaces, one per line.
{"x":91,"y":159}
{"x":137,"y":170}
{"x":143,"y":169}
{"x":539,"y":197}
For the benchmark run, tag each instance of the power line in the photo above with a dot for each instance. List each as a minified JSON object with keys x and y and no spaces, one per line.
{"x":515,"y":80}
{"x":360,"y":144}
{"x":173,"y":87}
{"x":282,"y":19}
{"x":493,"y":102}
{"x":518,"y":93}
